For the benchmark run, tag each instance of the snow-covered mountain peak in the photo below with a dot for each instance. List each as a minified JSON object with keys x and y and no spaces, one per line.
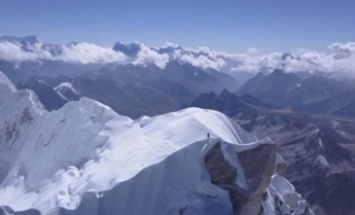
{"x":94,"y":139}
{"x":49,"y":160}
{"x":6,"y":81}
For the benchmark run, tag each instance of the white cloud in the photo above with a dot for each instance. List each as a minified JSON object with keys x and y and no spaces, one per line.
{"x":342,"y":50}
{"x":83,"y":53}
{"x":339,"y":59}
{"x":199,"y":60}
{"x":13,"y":52}
{"x":147,"y":55}
{"x":86,"y":53}
{"x":256,"y":63}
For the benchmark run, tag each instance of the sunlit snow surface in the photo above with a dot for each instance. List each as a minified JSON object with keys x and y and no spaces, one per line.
{"x":49,"y":159}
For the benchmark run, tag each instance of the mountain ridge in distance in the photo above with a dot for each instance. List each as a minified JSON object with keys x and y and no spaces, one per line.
{"x":136,"y":90}
{"x":313,"y":147}
{"x":315,"y":95}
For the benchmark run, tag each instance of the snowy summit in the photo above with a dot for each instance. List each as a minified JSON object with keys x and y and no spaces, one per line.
{"x":176,"y":161}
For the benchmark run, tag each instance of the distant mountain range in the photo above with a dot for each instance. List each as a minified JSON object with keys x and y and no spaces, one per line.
{"x":23,"y":57}
{"x":317,"y":149}
{"x":124,"y":87}
{"x":305,"y":92}
{"x":136,"y":90}
{"x":317,"y":94}
{"x":133,"y":90}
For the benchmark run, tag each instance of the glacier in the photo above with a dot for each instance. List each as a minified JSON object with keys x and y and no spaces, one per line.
{"x":86,"y":156}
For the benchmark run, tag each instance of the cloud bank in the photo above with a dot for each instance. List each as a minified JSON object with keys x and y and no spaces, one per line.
{"x":147,"y":55}
{"x":339,"y":58}
{"x":83,"y":53}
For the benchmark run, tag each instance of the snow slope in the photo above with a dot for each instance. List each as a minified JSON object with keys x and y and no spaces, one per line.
{"x":87,"y":146}
{"x":49,"y":160}
{"x":178,"y":183}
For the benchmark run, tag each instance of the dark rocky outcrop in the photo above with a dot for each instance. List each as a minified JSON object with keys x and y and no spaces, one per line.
{"x":258,"y":166}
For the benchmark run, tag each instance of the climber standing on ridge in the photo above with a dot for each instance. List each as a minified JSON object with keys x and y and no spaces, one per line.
{"x":208,"y":136}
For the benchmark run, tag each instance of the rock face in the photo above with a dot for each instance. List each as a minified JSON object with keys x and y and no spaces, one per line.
{"x":258,"y":167}
{"x":224,"y":175}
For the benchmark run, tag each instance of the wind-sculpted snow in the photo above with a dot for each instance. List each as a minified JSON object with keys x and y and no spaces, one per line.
{"x":49,"y":160}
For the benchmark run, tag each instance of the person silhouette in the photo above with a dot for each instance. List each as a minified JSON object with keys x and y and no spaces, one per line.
{"x":208,"y":135}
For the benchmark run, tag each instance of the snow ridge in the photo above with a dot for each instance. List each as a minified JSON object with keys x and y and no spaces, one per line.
{"x":6,"y":81}
{"x":49,"y":160}
{"x":91,"y":148}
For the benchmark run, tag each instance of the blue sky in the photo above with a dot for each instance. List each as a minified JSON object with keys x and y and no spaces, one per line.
{"x":230,"y":25}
